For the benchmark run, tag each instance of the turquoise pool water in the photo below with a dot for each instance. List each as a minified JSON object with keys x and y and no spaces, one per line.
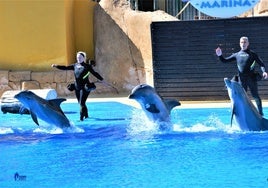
{"x":118,"y":147}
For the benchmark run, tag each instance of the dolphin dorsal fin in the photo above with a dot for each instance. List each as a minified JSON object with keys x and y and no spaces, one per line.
{"x":171,"y":103}
{"x":56,"y":104}
{"x":57,"y":101}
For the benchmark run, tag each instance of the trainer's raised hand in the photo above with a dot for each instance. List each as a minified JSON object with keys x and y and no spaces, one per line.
{"x":218,"y":51}
{"x":265,"y":75}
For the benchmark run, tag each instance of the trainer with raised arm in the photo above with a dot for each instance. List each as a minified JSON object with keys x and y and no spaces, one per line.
{"x":246,"y":60}
{"x":82,"y":86}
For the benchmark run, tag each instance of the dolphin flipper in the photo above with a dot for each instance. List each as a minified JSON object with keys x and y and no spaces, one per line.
{"x":171,"y":103}
{"x":232,"y":116}
{"x":23,"y":110}
{"x":34,"y":118}
{"x":152,"y":108}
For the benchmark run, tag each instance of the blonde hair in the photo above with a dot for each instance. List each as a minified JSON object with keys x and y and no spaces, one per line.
{"x":244,"y":38}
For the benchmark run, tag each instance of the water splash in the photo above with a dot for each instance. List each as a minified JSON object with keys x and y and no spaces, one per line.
{"x":50,"y":129}
{"x":212,"y":123}
{"x":140,"y":124}
{"x":53,"y":130}
{"x":74,"y":129}
{"x":6,"y":130}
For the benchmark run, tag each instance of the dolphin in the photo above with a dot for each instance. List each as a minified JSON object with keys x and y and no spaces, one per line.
{"x":243,"y":110}
{"x":155,"y":108}
{"x":46,"y":110}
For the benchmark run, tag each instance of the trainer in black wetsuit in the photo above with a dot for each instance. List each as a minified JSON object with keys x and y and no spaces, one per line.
{"x":82,"y":85}
{"x":245,"y":60}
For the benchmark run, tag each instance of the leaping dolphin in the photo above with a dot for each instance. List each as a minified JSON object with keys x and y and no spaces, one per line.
{"x":243,"y":110}
{"x":47,"y":110}
{"x":156,"y":109}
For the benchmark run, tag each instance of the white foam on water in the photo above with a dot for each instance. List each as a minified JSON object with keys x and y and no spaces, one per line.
{"x":6,"y":130}
{"x":50,"y":129}
{"x":213,"y":123}
{"x":140,"y":124}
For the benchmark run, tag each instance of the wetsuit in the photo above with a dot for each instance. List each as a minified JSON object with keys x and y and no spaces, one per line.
{"x":81,"y":74}
{"x":245,"y":63}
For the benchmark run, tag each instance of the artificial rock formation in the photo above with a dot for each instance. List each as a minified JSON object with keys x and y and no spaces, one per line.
{"x":122,"y":37}
{"x":261,"y":9}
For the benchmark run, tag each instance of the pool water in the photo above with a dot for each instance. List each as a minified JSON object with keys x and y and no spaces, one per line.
{"x":118,"y":147}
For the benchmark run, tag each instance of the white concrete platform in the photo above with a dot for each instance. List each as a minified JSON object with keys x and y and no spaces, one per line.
{"x":184,"y":104}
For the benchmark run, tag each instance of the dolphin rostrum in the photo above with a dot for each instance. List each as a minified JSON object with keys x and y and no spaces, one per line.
{"x":47,"y":110}
{"x":243,"y":110}
{"x":156,"y":109}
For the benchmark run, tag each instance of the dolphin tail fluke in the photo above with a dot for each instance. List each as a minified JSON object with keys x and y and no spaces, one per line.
{"x":171,"y":103}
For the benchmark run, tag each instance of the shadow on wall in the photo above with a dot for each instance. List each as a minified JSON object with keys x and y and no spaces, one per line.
{"x":118,"y":58}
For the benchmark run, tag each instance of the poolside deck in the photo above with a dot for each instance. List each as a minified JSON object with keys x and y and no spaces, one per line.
{"x":184,"y":104}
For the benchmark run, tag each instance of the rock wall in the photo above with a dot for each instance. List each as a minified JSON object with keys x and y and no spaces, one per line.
{"x":122,"y":37}
{"x":20,"y":80}
{"x":58,"y":80}
{"x":261,"y":9}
